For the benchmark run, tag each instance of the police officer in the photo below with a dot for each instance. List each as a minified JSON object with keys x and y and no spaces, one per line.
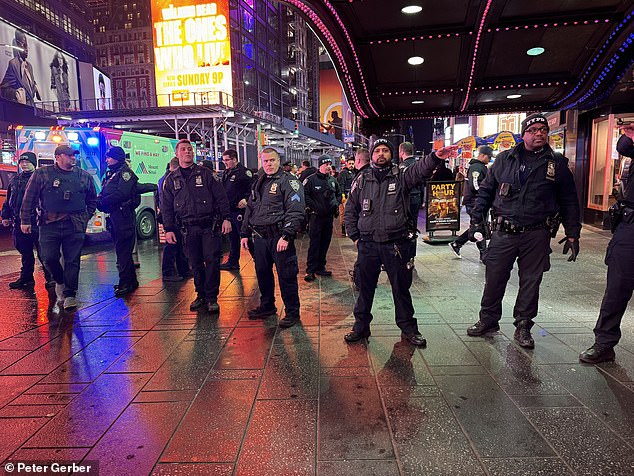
{"x":67,"y":198}
{"x":236,"y":179}
{"x":118,"y":197}
{"x":619,"y":258}
{"x":361,"y":162}
{"x":527,"y":187}
{"x":345,"y":178}
{"x":476,"y":174}
{"x":323,"y":196}
{"x":11,"y":215}
{"x":406,"y":154}
{"x":195,"y":202}
{"x":378,"y":221}
{"x":273,"y":218}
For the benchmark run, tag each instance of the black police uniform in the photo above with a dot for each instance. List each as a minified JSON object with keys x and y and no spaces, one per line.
{"x":415,"y":194}
{"x":194,"y":201}
{"x":118,"y":197}
{"x":475,"y":176}
{"x":323,"y":196}
{"x":619,"y":257}
{"x":67,"y":200}
{"x":275,"y":209}
{"x":378,"y":215}
{"x":344,"y":179}
{"x":173,"y":254}
{"x":237,"y":183}
{"x":23,"y":242}
{"x":526,"y":191}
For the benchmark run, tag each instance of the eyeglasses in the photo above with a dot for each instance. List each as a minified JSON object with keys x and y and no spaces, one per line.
{"x":535,"y":130}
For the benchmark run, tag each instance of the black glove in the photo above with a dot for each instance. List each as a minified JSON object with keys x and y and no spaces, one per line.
{"x":476,"y":228}
{"x":572,"y":246}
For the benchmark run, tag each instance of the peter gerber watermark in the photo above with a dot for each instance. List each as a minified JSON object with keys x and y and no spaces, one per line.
{"x":53,"y":467}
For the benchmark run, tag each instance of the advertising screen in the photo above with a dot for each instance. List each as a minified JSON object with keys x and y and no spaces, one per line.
{"x":192,"y":54}
{"x":36,"y":73}
{"x":443,"y":206}
{"x":103,"y":90}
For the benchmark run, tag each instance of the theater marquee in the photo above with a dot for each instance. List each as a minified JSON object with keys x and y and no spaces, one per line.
{"x":192,"y":54}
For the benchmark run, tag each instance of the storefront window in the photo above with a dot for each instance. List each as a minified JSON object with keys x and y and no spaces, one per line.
{"x":557,"y":141}
{"x":600,"y":180}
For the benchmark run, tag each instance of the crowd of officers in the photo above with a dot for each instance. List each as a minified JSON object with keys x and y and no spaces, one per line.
{"x":528,"y":192}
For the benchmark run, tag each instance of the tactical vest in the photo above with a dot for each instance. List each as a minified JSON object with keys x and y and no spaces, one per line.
{"x":64,"y":192}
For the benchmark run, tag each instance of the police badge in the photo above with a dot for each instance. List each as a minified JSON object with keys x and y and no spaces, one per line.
{"x":56,"y":183}
{"x":294,"y":185}
{"x":550,"y":171}
{"x":249,"y":173}
{"x":126,"y":176}
{"x":199,"y":181}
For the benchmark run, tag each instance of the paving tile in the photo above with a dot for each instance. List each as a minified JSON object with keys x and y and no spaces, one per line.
{"x":188,"y":365}
{"x":193,"y":469}
{"x":216,"y":421}
{"x":165,"y":396}
{"x":86,"y":365}
{"x":31,"y":411}
{"x":537,"y":401}
{"x":457,"y":370}
{"x":444,"y":347}
{"x":134,"y":443}
{"x":352,"y":423}
{"x":13,"y":385}
{"x":524,"y":466}
{"x":247,"y":348}
{"x":15,"y":431}
{"x":611,"y":401}
{"x":583,"y":442}
{"x":91,"y":413}
{"x":44,"y":399}
{"x":149,"y":352}
{"x":235,"y":375}
{"x":428,"y":439}
{"x":490,"y":418}
{"x":50,"y":454}
{"x":9,"y":357}
{"x":292,"y":371}
{"x":514,"y":370}
{"x":371,"y":467}
{"x":57,"y":388}
{"x":335,"y":352}
{"x":397,"y":363}
{"x":347,"y":371}
{"x":281,"y":439}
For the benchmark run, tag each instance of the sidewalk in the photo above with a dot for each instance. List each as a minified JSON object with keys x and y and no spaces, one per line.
{"x":144,"y":386}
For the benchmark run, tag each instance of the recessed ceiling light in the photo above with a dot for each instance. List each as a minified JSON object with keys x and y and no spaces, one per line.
{"x":415,"y":60}
{"x":538,"y":50}
{"x":411,"y":9}
{"x":513,"y":96}
{"x":418,"y":101}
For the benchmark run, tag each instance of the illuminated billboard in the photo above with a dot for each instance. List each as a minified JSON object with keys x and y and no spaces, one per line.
{"x":35,"y":73}
{"x":192,"y":54}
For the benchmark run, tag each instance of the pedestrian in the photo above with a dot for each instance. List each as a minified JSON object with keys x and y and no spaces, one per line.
{"x":236,"y":180}
{"x":475,"y":175}
{"x":530,"y":189}
{"x":345,"y":178}
{"x":67,"y":199}
{"x":406,"y":155}
{"x":24,"y":243}
{"x":323,"y":196}
{"x":306,"y":170}
{"x":174,"y":264}
{"x":194,"y":201}
{"x":378,"y":221}
{"x":619,"y":259}
{"x":119,"y":198}
{"x":361,"y":162}
{"x":287,"y":166}
{"x":274,"y":216}
{"x":442,"y":173}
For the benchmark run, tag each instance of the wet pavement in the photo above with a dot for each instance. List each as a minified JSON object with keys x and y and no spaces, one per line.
{"x":144,"y":386}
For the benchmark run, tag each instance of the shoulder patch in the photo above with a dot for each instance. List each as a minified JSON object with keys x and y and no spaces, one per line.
{"x":476,"y":174}
{"x":249,"y":173}
{"x":126,"y":176}
{"x":294,"y":184}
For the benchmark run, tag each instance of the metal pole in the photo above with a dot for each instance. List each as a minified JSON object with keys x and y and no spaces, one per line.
{"x":215,"y":137}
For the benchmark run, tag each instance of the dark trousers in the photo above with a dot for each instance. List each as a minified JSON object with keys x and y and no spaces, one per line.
{"x":618,"y":292}
{"x":202,"y":247}
{"x":462,"y":239}
{"x":266,"y":255}
{"x":124,"y":241}
{"x":173,"y":255}
{"x":24,"y":243}
{"x":234,"y":238}
{"x":320,"y":234}
{"x":57,"y":239}
{"x":371,"y":256}
{"x":531,"y":250}
{"x":414,"y":206}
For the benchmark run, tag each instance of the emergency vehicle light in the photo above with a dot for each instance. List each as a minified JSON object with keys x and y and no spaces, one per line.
{"x":72,"y":136}
{"x":40,"y":135}
{"x":93,"y":141}
{"x":56,"y":138}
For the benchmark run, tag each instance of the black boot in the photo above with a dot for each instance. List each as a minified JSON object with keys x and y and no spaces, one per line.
{"x":480,"y":329}
{"x":597,"y":353}
{"x":523,"y":335}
